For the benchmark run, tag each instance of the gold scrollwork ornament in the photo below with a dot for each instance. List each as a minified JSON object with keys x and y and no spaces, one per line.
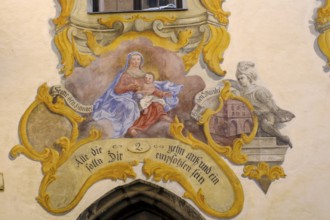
{"x":323,"y":13}
{"x":117,"y":171}
{"x":59,"y":107}
{"x":51,"y":159}
{"x":263,"y":170}
{"x":212,"y":50}
{"x":70,"y":52}
{"x":323,"y":42}
{"x":323,"y":26}
{"x":263,"y":174}
{"x":164,"y":172}
{"x":63,"y":18}
{"x":215,"y":7}
{"x":233,"y":152}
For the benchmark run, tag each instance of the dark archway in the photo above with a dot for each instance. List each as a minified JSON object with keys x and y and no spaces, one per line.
{"x":140,"y":200}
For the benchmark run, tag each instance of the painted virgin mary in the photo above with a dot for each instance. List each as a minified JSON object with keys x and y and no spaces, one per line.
{"x":119,"y":105}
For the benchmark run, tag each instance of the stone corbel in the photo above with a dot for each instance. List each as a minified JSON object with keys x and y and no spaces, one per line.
{"x":158,"y":27}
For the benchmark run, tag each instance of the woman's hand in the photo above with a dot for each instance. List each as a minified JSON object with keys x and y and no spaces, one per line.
{"x":133,"y":87}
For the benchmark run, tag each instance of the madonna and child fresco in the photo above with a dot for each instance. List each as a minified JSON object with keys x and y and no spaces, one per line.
{"x":134,"y":101}
{"x":136,"y":91}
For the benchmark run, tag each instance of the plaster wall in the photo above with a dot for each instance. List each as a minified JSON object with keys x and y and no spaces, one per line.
{"x":277,"y":35}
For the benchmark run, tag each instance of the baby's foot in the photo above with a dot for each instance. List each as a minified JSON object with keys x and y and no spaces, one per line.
{"x":132,"y":132}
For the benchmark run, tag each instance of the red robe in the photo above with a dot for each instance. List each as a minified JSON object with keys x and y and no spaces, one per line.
{"x":155,"y":112}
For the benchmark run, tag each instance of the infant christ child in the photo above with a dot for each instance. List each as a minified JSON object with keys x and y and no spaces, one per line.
{"x":151,"y":104}
{"x":151,"y":93}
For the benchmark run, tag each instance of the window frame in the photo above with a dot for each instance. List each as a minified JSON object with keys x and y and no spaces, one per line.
{"x":94,"y":7}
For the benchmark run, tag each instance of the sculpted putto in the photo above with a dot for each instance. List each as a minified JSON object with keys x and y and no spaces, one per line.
{"x":268,"y":113}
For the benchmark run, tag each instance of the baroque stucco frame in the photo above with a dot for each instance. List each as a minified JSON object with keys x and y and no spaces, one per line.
{"x":52,"y":160}
{"x":80,"y":43}
{"x":72,"y":34}
{"x":322,"y":23}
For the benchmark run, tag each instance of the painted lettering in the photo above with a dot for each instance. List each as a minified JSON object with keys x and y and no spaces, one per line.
{"x":198,"y":176}
{"x":115,"y":156}
{"x":94,"y":164}
{"x":207,"y":169}
{"x":81,"y":159}
{"x":193,"y":158}
{"x":96,"y":150}
{"x":214,"y":178}
{"x":176,"y":149}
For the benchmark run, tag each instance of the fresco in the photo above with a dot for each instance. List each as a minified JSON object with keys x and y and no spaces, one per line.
{"x":175,"y":91}
{"x":127,"y":96}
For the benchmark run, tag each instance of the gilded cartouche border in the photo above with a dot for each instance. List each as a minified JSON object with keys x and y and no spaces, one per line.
{"x":263,"y":170}
{"x":233,"y":152}
{"x":212,"y":51}
{"x":176,"y":130}
{"x":164,"y":172}
{"x":323,"y":26}
{"x":211,"y":48}
{"x":51,"y":159}
{"x":59,"y":107}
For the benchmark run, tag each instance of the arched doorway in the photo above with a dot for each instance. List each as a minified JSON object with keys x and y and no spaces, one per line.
{"x":233,"y":128}
{"x":247,"y":126}
{"x":140,"y":200}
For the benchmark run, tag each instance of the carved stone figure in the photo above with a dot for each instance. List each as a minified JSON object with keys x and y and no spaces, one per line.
{"x":269,"y":114}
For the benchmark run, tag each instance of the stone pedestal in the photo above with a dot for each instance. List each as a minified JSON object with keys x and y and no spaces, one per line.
{"x":265,"y":149}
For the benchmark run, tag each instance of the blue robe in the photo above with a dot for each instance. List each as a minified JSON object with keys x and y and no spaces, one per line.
{"x":123,"y":110}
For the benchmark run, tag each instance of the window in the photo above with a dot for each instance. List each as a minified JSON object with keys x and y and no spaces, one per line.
{"x":160,"y":4}
{"x":104,"y":6}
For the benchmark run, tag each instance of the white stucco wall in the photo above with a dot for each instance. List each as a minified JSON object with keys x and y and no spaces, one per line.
{"x":276,"y":34}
